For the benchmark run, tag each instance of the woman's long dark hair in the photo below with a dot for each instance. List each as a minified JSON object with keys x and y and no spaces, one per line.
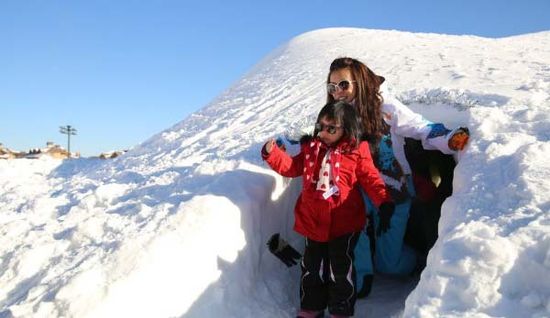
{"x":368,"y":99}
{"x":344,"y":115}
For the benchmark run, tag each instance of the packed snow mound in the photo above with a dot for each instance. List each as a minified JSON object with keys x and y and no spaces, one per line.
{"x":178,"y":225}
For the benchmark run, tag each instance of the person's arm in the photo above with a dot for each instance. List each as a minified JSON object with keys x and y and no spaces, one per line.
{"x":281,"y":162}
{"x":369,"y":177}
{"x":434,"y":136}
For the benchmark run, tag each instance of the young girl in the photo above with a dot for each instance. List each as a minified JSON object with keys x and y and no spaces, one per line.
{"x":330,"y":211}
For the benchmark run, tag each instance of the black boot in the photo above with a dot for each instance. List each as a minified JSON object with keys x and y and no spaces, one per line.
{"x":367,"y":286}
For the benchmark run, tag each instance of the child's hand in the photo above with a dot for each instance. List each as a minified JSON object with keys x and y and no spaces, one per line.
{"x":280,"y":143}
{"x":269,"y":145}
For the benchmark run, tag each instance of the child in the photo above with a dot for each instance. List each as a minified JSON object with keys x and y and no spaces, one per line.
{"x":330,"y":211}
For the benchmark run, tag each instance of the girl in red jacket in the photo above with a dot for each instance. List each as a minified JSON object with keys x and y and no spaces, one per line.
{"x":330,"y":211}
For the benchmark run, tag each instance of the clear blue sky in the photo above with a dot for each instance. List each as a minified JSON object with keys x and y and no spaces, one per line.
{"x":121,"y":71}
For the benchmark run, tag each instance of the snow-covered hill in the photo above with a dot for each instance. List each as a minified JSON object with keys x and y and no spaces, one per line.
{"x":177,"y":226}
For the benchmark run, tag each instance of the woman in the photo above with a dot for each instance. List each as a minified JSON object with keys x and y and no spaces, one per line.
{"x":386,"y":123}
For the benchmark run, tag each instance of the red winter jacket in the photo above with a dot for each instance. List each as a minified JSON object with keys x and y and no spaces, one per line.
{"x":323,"y":220}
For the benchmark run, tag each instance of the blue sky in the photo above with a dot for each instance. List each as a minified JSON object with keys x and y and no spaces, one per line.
{"x":121,"y":71}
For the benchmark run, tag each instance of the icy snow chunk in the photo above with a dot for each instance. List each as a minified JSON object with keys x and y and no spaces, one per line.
{"x":107,"y":192}
{"x":547,"y":259}
{"x":532,"y":300}
{"x":214,"y":167}
{"x":83,"y":291}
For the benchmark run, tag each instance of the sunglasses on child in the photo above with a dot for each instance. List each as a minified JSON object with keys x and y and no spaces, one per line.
{"x":342,"y":85}
{"x":331,"y":129}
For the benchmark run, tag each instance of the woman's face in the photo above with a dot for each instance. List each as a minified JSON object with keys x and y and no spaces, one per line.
{"x":344,"y":85}
{"x":330,"y":132}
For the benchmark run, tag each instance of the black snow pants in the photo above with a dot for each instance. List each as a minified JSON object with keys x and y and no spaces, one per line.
{"x":328,"y":275}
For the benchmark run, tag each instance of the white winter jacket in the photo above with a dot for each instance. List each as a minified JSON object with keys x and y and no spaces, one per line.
{"x":404,"y":123}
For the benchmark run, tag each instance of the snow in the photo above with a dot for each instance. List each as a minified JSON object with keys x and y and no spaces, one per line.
{"x":178,"y":225}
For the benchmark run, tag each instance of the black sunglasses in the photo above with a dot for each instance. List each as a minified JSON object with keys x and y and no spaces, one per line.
{"x":331,"y":129}
{"x":342,"y":85}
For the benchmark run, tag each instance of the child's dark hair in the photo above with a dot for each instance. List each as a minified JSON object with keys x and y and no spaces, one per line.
{"x":345,"y":115}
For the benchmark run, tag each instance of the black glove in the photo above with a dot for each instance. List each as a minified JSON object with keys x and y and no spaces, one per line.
{"x":280,"y":248}
{"x":385,"y":212}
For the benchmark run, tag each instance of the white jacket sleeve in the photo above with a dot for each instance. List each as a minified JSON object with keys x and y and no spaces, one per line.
{"x":406,"y":123}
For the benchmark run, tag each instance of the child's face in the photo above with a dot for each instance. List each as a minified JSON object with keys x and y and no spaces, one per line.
{"x":330,"y":132}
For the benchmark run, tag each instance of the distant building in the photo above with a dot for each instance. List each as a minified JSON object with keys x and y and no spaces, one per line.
{"x":52,"y":150}
{"x":6,"y":153}
{"x":111,"y":154}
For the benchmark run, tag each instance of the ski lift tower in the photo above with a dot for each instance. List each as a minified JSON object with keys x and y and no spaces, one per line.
{"x":69,"y":131}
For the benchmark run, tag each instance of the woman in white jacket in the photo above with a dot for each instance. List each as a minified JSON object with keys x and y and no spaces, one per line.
{"x":386,"y":123}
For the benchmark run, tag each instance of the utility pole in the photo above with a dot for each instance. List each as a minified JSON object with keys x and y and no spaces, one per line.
{"x":68,"y":130}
